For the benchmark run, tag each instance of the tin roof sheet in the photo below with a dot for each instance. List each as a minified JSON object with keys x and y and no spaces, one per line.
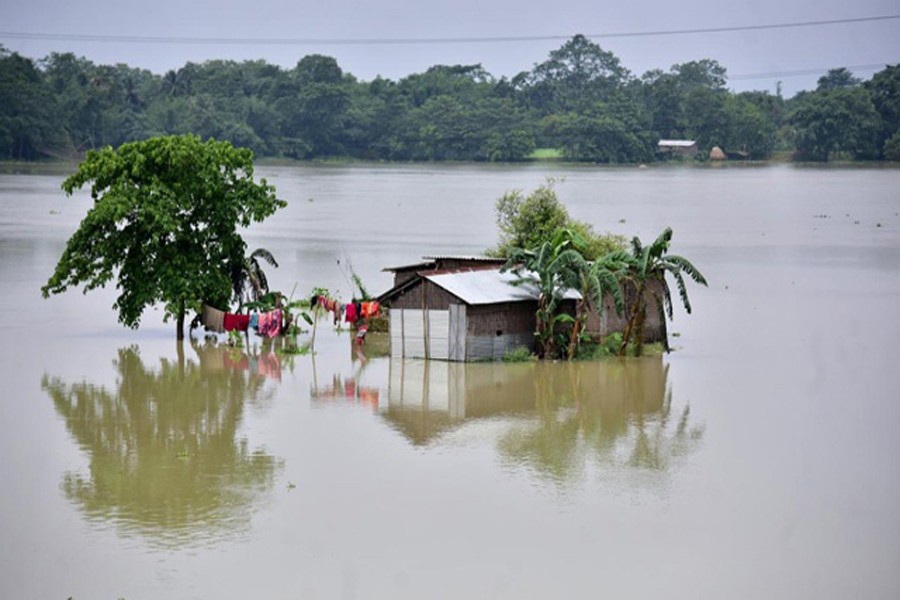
{"x":677,"y":143}
{"x":488,"y":286}
{"x":462,"y":257}
{"x":418,"y":266}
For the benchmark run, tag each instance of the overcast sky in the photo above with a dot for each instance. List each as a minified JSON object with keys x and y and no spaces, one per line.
{"x":745,"y":54}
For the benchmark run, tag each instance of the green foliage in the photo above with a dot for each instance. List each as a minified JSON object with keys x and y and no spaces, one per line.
{"x":234,"y":339}
{"x":892,"y":148}
{"x":529,"y":221}
{"x":608,"y":347}
{"x":164,"y":224}
{"x":554,"y":267}
{"x":646,"y":272}
{"x":836,"y":79}
{"x":581,"y":100}
{"x":248,"y":279}
{"x":832,"y":121}
{"x":26,"y":109}
{"x":519,"y":355}
{"x":884,"y":88}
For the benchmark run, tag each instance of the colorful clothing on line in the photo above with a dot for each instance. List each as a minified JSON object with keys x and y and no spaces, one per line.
{"x":370,"y":309}
{"x":270,"y":323}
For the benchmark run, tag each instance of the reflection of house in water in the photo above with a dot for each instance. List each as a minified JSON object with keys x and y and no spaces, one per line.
{"x":165,"y":457}
{"x":554,"y":412}
{"x":427,"y":398}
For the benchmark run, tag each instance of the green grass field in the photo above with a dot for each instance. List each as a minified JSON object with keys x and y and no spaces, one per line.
{"x":546,"y":154}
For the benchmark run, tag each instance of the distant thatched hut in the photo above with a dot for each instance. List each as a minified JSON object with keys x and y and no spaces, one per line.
{"x":716,"y":154}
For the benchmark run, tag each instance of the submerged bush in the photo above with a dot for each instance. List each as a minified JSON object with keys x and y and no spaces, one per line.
{"x":517,"y":355}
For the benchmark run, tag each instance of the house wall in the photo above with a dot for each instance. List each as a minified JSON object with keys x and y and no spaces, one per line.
{"x":436,"y":298}
{"x":490,"y":330}
{"x":495,"y":329}
{"x":600,"y":326}
{"x":420,"y":334}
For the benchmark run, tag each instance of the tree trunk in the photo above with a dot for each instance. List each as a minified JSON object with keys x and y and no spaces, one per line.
{"x":179,"y":321}
{"x":632,"y":317}
{"x":576,"y":330}
{"x":639,"y":330}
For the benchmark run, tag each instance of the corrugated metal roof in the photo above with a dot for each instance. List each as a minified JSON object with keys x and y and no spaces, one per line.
{"x":488,"y":286}
{"x":489,"y":259}
{"x":677,"y":143}
{"x":419,"y":265}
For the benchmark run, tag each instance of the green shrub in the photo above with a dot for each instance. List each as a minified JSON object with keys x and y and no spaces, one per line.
{"x":517,"y":355}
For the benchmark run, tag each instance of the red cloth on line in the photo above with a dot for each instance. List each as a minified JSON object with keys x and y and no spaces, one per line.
{"x":350,"y":314}
{"x":239,"y":322}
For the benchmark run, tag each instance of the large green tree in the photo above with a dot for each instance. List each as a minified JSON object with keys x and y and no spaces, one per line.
{"x":885,"y":90}
{"x":164,"y":224}
{"x":841,"y":120}
{"x":575,"y":76}
{"x":26,"y":109}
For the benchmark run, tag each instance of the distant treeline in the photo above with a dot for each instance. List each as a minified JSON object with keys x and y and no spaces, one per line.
{"x":581,"y":101}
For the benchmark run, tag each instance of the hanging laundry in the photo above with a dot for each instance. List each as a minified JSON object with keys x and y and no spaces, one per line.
{"x":270,"y":323}
{"x":351,"y":316}
{"x":254,"y":321}
{"x":238,"y":322}
{"x":361,"y":335}
{"x":370,"y":309}
{"x":213,"y":319}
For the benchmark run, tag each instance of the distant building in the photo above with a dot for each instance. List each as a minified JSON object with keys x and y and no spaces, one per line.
{"x":683,"y":148}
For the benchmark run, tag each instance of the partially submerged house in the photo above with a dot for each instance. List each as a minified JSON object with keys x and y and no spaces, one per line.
{"x":464,"y":309}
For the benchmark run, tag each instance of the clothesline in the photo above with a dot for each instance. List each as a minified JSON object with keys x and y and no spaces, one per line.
{"x":267,"y":324}
{"x":352,"y":312}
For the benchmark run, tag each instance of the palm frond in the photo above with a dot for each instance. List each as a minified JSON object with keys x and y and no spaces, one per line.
{"x":685,"y":265}
{"x":682,"y":290}
{"x":637,"y":250}
{"x":667,"y":298}
{"x":661,"y":244}
{"x":609,"y":283}
{"x":265,"y":255}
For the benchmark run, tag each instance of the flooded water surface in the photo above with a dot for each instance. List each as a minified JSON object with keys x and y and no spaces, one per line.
{"x":759,"y":459}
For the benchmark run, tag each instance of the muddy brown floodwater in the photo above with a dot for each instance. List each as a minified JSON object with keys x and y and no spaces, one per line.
{"x":758,"y":460}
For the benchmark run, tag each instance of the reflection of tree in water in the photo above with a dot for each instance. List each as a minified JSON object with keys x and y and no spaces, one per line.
{"x":620,"y":412}
{"x":164,"y":458}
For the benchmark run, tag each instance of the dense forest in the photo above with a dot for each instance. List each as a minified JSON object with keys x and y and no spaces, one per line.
{"x":581,"y":101}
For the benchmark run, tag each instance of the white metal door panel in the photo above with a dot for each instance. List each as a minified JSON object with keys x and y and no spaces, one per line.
{"x":439,"y":334}
{"x":457,"y":332}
